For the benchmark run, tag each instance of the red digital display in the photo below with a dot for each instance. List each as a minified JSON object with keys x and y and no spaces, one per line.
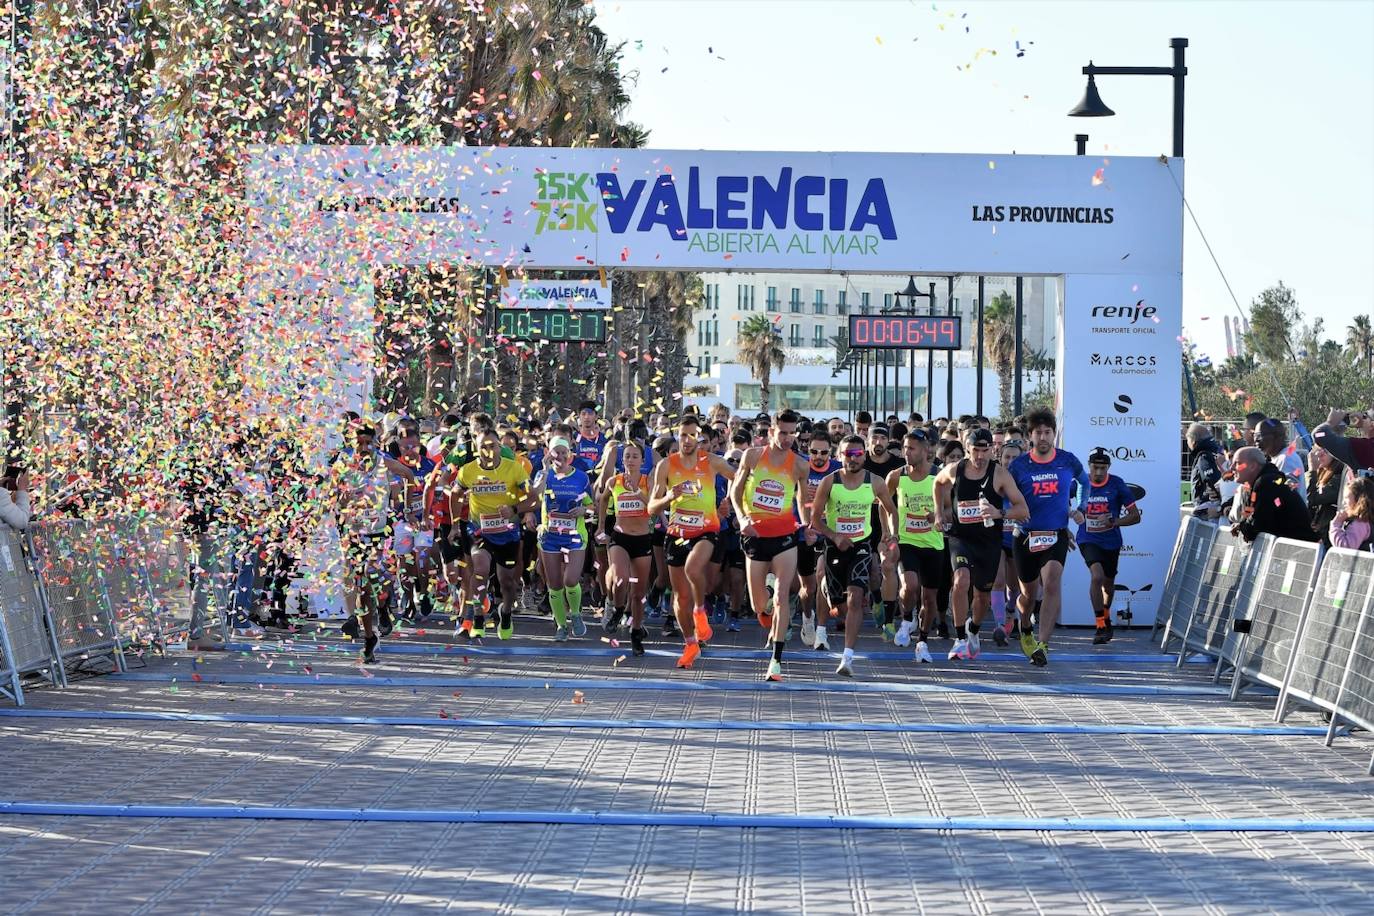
{"x":906,"y":332}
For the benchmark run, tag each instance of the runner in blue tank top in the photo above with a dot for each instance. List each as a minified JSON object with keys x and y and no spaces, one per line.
{"x":1044,"y":475}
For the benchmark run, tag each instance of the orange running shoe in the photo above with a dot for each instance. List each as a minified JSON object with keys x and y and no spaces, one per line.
{"x":765,"y":621}
{"x":704,"y":631}
{"x":689,"y":655}
{"x":467,"y":625}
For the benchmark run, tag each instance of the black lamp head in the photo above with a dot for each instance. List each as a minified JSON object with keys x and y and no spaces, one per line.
{"x":911,"y":291}
{"x":1092,"y":105}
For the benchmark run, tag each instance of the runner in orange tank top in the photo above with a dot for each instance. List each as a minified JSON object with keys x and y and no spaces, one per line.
{"x":685,"y":486}
{"x":765,"y":498}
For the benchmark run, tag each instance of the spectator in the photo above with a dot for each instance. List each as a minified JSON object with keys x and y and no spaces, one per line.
{"x":1272,"y":438}
{"x":1269,"y":505}
{"x":1353,"y":523}
{"x":1207,"y":460}
{"x":1354,"y":453}
{"x":14,"y":501}
{"x":1323,"y":490}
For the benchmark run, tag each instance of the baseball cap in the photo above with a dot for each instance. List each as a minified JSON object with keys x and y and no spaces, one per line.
{"x":1099,"y":455}
{"x":980,"y":437}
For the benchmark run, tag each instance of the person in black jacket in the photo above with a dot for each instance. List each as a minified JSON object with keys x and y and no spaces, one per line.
{"x":1207,"y":459}
{"x":1270,"y":505}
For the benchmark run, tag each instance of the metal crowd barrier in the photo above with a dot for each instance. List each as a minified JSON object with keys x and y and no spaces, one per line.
{"x":1169,"y":594}
{"x":78,"y":592}
{"x":1225,"y":585}
{"x":1261,"y":648}
{"x":26,"y":644}
{"x":1326,"y":634}
{"x":1186,"y":586}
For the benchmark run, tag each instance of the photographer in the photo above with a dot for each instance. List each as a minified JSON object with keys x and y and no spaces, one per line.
{"x":1207,"y":460}
{"x":14,"y":501}
{"x":1354,"y":453}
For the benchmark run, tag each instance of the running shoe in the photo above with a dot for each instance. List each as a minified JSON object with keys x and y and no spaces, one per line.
{"x":637,"y":641}
{"x":999,"y":636}
{"x":579,"y":626}
{"x":253,"y":631}
{"x":845,"y":668}
{"x":704,"y":631}
{"x":876,"y":609}
{"x":942,"y":628}
{"x":765,"y":621}
{"x":560,"y":634}
{"x":1015,"y":631}
{"x":464,"y":634}
{"x":975,"y":645}
{"x":506,"y":631}
{"x":1040,"y":657}
{"x":902,"y":638}
{"x":889,"y":632}
{"x":689,"y":655}
{"x":1027,"y":643}
{"x":775,"y":671}
{"x":733,"y":626}
{"x":808,"y":630}
{"x":1103,"y":635}
{"x":670,"y":625}
{"x":960,"y":650}
{"x":477,"y":639}
{"x":370,"y":652}
{"x":611,"y":622}
{"x":822,"y":643}
{"x":349,"y":628}
{"x":923,"y":653}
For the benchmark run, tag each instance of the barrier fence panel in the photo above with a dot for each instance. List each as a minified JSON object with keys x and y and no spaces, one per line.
{"x":1191,"y":587}
{"x":1229,"y":570}
{"x":65,"y":557}
{"x":27,"y":645}
{"x":1327,"y":632}
{"x":1355,"y":699}
{"x":1166,"y":597}
{"x":1261,"y":654}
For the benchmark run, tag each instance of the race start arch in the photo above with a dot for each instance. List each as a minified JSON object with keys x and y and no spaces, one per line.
{"x":322,"y":219}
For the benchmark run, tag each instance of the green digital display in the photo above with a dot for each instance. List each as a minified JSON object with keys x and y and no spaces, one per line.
{"x":551,"y":325}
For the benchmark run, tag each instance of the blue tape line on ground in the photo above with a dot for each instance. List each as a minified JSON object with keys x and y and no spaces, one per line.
{"x":1065,"y":728}
{"x":641,"y":683}
{"x":655,"y":819}
{"x":407,"y":648}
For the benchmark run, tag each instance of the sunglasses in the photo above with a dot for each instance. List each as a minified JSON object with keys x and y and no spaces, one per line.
{"x":854,"y":453}
{"x":820,"y":452}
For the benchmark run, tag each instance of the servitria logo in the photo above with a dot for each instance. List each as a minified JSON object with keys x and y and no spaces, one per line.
{"x":1123,"y":417}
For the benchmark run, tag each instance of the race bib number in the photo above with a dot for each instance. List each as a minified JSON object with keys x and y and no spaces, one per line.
{"x":562,"y":524}
{"x":687,"y":521}
{"x":767,"y":503}
{"x":631,"y":507}
{"x":491,"y":524}
{"x":848,"y":527}
{"x":970,"y":510}
{"x":1099,"y":522}
{"x":917,"y":524}
{"x":1041,"y":540}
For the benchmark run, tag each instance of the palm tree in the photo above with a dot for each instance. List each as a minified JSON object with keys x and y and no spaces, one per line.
{"x":1359,"y":337}
{"x":999,"y":337}
{"x":760,"y":348}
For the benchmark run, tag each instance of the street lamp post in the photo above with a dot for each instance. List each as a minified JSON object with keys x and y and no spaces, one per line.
{"x":911,"y":292}
{"x":1092,"y":105}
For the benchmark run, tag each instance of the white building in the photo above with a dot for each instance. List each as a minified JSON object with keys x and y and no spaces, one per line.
{"x":812,"y":310}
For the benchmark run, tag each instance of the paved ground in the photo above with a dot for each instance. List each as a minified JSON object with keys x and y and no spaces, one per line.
{"x":566,"y":731}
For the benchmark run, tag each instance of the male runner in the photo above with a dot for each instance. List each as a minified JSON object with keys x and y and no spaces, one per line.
{"x":685,"y":485}
{"x":495,"y":490}
{"x":1110,"y":506}
{"x":969,"y":497}
{"x":1044,"y":475}
{"x":847,"y":498}
{"x":765,"y":500}
{"x":811,"y":597}
{"x":920,"y":543}
{"x":882,"y":463}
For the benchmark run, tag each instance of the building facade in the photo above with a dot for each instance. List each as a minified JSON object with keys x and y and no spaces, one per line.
{"x":811,"y":313}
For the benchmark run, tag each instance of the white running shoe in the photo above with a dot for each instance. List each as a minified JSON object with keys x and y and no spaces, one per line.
{"x":822,"y":643}
{"x":903,"y":637}
{"x":846,"y":667}
{"x":808,"y":630}
{"x":960,"y":650}
{"x":975,"y":645}
{"x":923,"y":652}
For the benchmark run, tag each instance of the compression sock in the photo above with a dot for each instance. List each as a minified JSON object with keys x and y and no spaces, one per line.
{"x":777,"y":650}
{"x":999,"y":608}
{"x":574,"y":593}
{"x":889,"y":613}
{"x":960,"y":631}
{"x":558,"y":604}
{"x":973,"y":628}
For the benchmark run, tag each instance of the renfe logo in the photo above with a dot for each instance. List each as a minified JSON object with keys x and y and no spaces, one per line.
{"x":813,"y":203}
{"x":1128,"y":314}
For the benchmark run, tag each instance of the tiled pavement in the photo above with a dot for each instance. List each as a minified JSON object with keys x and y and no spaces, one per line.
{"x":51,"y":864}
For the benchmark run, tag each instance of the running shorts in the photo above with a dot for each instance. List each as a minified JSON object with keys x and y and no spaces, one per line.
{"x":764,"y":550}
{"x":1108,"y":558}
{"x":678,"y":549}
{"x":846,"y":569}
{"x":981,"y":558}
{"x":1033,"y":549}
{"x":636,"y":545}
{"x":926,"y":562}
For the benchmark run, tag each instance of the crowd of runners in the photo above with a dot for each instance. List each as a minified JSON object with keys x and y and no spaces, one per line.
{"x":948,"y":530}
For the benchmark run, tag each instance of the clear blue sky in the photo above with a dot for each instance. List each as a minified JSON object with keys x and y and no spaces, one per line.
{"x":1280,"y":109}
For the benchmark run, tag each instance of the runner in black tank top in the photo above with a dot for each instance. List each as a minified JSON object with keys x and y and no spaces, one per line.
{"x":968,"y":496}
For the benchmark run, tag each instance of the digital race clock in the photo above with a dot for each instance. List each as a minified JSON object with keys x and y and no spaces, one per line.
{"x":907,"y":332}
{"x":551,"y":325}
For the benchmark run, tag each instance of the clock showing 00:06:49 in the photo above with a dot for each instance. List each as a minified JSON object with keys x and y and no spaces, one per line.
{"x":551,"y":325}
{"x":906,"y":332}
